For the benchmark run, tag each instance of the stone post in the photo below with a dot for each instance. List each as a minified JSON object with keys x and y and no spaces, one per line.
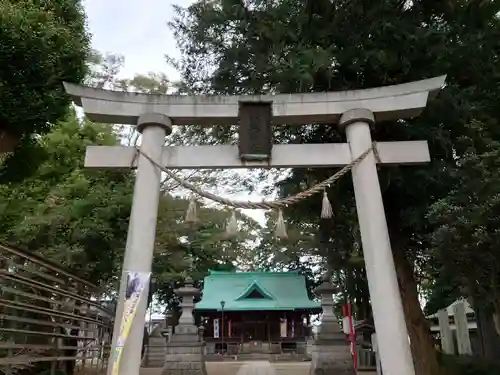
{"x":390,"y":324}
{"x":141,"y":235}
{"x":170,"y":332}
{"x":447,"y":342}
{"x":185,"y":350}
{"x":463,"y":339}
{"x":330,"y":352}
{"x":201,"y":331}
{"x":170,"y":323}
{"x":154,"y":356}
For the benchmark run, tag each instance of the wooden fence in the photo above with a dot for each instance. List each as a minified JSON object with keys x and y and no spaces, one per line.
{"x":51,"y":321}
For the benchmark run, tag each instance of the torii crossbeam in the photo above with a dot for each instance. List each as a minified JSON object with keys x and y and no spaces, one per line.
{"x":283,"y":156}
{"x":355,"y":111}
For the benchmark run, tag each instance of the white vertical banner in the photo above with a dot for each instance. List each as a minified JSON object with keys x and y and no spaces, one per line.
{"x":216,"y":328}
{"x":136,"y":286}
{"x":346,"y":325}
{"x":283,"y":328}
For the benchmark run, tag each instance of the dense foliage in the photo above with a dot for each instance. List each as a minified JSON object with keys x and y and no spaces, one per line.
{"x":72,"y":215}
{"x":42,"y":43}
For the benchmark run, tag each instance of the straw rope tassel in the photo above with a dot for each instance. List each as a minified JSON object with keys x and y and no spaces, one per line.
{"x":232,"y":226}
{"x":326,"y":207}
{"x":281,"y":226}
{"x":191,"y":216}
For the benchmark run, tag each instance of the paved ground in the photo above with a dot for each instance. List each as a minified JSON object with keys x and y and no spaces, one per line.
{"x":243,"y":368}
{"x":252,"y":368}
{"x":249,"y":368}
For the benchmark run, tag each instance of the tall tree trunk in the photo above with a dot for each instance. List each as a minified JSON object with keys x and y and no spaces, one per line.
{"x":425,"y":356}
{"x":488,"y":336}
{"x":486,"y":318}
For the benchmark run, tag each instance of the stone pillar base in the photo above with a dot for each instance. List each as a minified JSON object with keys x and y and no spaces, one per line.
{"x":331,"y":357}
{"x":154,"y":356}
{"x":185,"y":358}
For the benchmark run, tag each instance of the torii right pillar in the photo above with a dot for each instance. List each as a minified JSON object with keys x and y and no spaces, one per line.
{"x":386,"y":302}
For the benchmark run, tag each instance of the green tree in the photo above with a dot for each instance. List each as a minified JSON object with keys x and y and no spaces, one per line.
{"x":289,"y":46}
{"x":75,"y":216}
{"x":466,"y":237}
{"x":42,"y":43}
{"x":79,"y":216}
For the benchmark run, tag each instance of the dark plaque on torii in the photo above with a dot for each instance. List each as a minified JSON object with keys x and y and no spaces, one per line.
{"x":255,"y":130}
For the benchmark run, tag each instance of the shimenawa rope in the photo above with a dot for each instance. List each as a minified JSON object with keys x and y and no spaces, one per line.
{"x":275,"y":204}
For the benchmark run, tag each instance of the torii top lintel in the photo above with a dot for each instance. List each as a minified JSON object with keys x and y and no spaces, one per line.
{"x":387,"y":103}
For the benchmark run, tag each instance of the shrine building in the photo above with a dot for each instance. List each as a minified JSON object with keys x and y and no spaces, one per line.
{"x":260,"y":313}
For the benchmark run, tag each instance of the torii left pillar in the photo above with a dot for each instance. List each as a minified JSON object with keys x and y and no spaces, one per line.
{"x":141,"y":235}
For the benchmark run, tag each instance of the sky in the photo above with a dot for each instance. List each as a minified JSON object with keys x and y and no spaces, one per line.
{"x":136,"y":29}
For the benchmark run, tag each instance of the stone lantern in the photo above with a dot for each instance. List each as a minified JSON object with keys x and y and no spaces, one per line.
{"x":185,"y":350}
{"x":331,"y":352}
{"x":186,"y":330}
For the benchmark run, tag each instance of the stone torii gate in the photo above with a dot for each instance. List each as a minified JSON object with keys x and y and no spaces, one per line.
{"x":354,"y":111}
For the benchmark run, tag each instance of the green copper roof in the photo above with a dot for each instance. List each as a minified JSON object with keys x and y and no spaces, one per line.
{"x":245,"y":291}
